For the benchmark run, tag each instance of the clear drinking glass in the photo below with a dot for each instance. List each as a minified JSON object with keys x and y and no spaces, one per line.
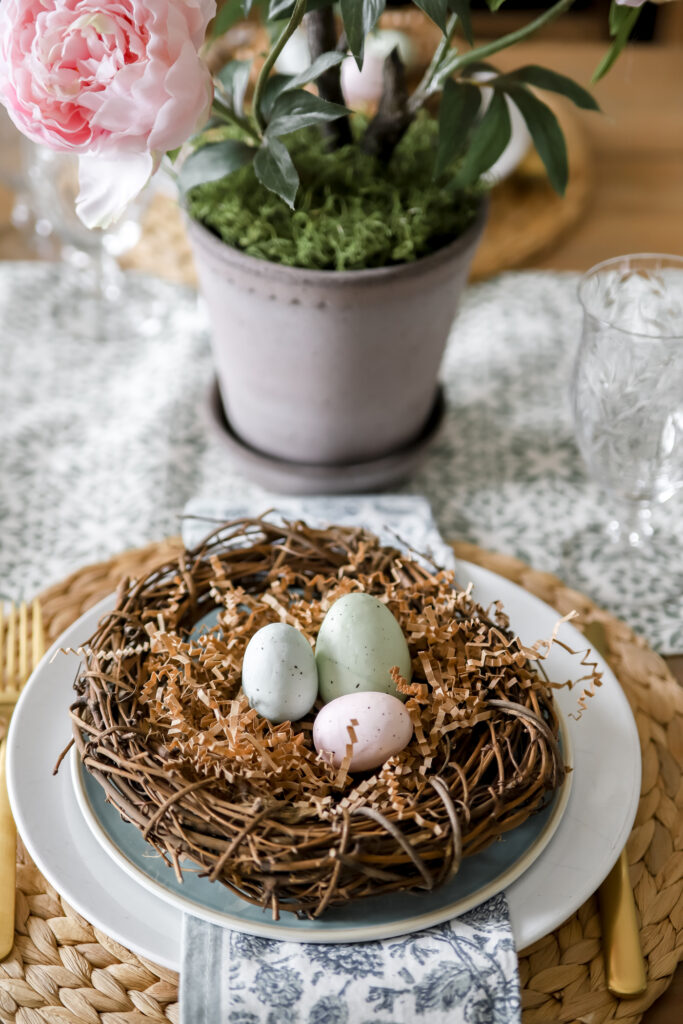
{"x":107,"y":301}
{"x":53,"y":187}
{"x":627,"y":397}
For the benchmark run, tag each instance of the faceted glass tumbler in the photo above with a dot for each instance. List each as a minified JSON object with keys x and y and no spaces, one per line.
{"x":627,"y":399}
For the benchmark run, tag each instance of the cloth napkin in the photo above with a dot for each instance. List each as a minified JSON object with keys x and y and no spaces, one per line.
{"x":461,"y":972}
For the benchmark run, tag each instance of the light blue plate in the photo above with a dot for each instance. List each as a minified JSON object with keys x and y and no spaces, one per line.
{"x":480,"y":877}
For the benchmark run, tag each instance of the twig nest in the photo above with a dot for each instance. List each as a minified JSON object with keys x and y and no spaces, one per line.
{"x":279,"y":676}
{"x":163,"y":722}
{"x":368,"y":728}
{"x":358,"y":645}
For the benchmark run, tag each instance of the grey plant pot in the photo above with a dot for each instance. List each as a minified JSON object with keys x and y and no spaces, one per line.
{"x":329,"y":367}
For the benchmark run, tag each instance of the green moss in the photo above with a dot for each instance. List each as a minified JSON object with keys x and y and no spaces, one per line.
{"x":352,"y":212}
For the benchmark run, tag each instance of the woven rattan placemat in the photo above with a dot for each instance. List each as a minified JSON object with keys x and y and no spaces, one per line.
{"x":64,"y":971}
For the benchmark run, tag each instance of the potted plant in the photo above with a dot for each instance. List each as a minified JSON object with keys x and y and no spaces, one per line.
{"x":331,"y":248}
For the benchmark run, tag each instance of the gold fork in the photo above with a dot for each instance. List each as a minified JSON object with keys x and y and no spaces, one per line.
{"x":18,"y":657}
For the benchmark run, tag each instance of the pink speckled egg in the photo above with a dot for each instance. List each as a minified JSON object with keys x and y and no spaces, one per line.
{"x":381,"y":724}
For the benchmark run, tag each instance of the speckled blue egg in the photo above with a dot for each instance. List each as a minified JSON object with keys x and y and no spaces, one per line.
{"x":359,"y":643}
{"x":279,"y":676}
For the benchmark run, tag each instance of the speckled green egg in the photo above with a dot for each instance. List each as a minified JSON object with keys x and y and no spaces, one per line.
{"x":359,"y":643}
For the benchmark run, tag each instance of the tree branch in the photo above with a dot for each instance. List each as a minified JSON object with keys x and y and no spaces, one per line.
{"x":321,"y":31}
{"x":391,"y":121}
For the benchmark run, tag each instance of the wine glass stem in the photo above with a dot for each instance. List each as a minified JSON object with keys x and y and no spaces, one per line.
{"x":633,"y":526}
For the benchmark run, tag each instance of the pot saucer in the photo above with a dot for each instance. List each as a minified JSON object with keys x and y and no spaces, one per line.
{"x":285,"y":477}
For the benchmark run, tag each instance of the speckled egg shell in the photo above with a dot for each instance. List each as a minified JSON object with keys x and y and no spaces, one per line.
{"x":359,"y":642}
{"x":381,"y":724}
{"x":279,"y":676}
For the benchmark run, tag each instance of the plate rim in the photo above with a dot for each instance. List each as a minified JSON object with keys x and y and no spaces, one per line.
{"x":144,"y":935}
{"x":329,"y":935}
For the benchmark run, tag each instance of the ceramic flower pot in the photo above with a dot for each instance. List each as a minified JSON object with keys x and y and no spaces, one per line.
{"x":324,"y":367}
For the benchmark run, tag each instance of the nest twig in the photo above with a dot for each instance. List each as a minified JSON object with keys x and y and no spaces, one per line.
{"x":162,"y":724}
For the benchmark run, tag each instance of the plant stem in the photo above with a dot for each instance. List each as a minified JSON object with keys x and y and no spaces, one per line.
{"x":228,"y":114}
{"x":422,"y":91}
{"x":287,"y":32}
{"x":481,"y":52}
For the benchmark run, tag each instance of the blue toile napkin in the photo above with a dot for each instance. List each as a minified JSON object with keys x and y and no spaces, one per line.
{"x":461,"y":972}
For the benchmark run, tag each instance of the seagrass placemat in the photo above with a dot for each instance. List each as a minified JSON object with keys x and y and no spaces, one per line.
{"x":64,"y":971}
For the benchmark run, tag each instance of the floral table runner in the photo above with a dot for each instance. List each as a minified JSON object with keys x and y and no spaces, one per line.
{"x":103,"y":436}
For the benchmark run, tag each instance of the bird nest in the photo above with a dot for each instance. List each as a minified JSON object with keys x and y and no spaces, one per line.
{"x":161,"y":723}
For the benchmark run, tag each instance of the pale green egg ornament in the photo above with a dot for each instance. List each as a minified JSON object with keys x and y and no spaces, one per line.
{"x":359,"y":643}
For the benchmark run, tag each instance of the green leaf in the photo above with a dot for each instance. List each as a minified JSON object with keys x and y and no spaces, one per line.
{"x":546,"y":133}
{"x":234,"y":79}
{"x":213,"y":161}
{"x":359,"y":17}
{"x":457,"y":113}
{"x":319,"y":66}
{"x":275,"y":85}
{"x":462,"y":9}
{"x":275,"y":170}
{"x":543,"y":78}
{"x":437,"y":10}
{"x":298,"y":109}
{"x":488,"y":141}
{"x":493,"y":5}
{"x":618,"y":14}
{"x":229,"y":14}
{"x":623,"y":32}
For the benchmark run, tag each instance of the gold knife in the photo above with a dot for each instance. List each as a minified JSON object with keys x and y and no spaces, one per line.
{"x":624,"y":962}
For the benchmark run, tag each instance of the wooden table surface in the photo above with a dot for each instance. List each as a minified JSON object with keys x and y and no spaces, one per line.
{"x":637,"y":147}
{"x":637,"y":204}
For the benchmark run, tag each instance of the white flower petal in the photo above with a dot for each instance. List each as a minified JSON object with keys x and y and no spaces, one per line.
{"x":108,"y":185}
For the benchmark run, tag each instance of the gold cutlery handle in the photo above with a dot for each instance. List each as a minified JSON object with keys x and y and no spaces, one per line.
{"x":624,"y":961}
{"x":8,"y":862}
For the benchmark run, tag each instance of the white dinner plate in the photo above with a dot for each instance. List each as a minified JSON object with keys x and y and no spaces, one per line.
{"x":597,"y":821}
{"x":380,"y":917}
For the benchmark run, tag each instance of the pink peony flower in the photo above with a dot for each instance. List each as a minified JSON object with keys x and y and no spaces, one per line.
{"x":118,"y":81}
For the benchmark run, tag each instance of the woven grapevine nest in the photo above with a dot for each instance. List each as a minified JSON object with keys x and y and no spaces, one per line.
{"x":161,"y":723}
